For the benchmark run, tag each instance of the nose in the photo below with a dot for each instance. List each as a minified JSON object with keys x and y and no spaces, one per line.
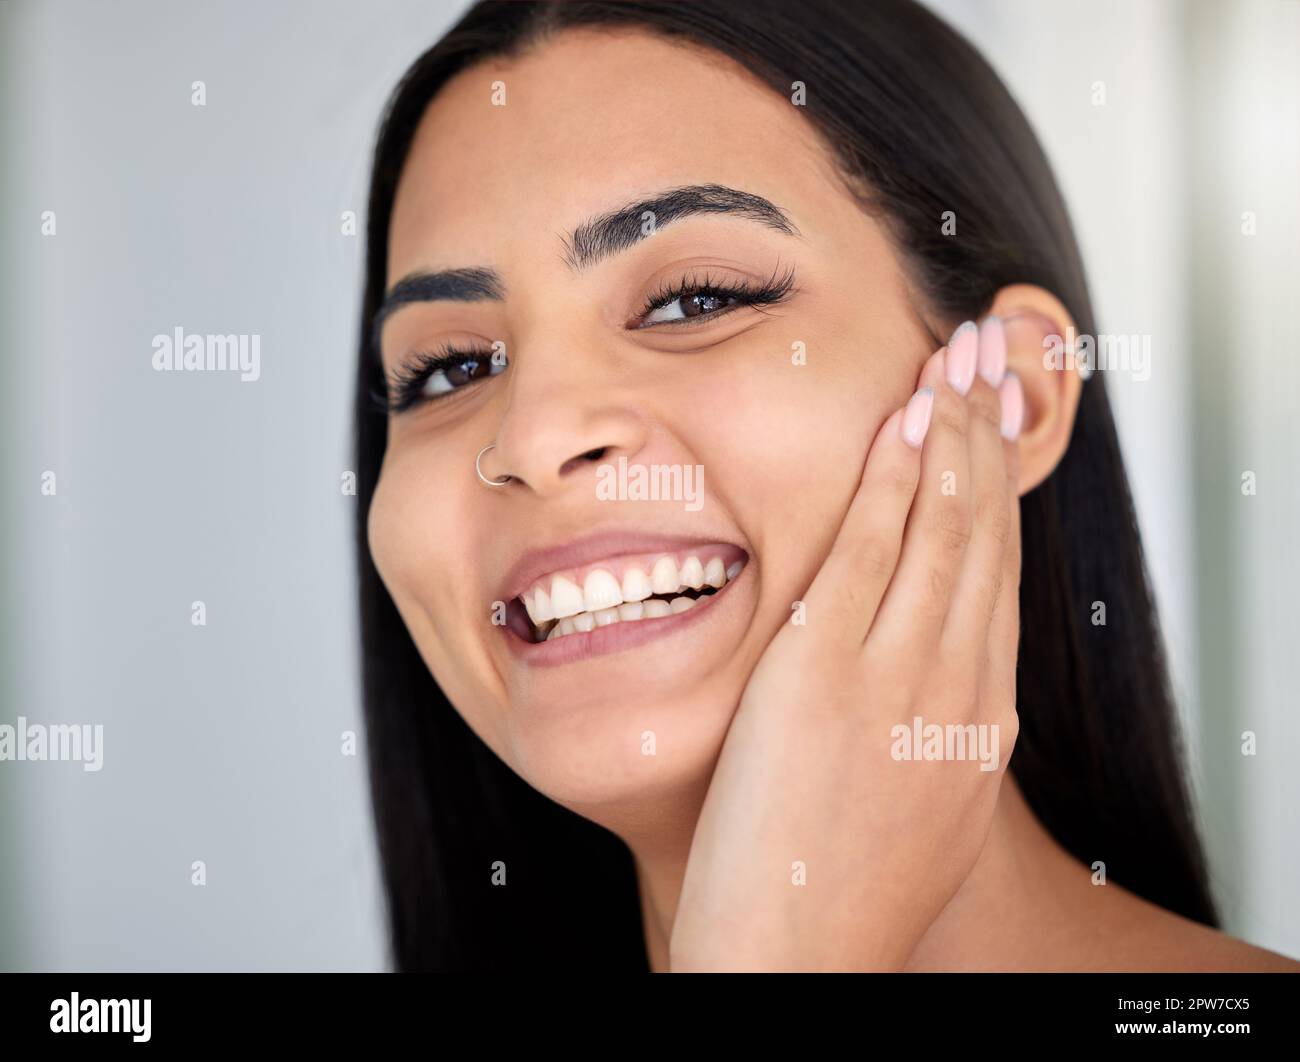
{"x":565,"y":416}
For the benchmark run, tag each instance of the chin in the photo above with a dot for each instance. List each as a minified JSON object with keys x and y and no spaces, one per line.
{"x":610,"y":757}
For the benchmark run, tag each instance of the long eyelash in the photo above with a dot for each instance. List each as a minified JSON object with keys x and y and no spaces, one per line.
{"x":777,"y":288}
{"x":408,"y":379}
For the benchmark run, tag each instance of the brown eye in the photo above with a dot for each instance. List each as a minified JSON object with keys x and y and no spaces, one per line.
{"x":688,"y":305}
{"x":701,"y":298}
{"x":455,"y":370}
{"x":467,"y":371}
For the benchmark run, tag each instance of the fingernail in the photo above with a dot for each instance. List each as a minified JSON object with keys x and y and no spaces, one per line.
{"x":916,"y":417}
{"x":993,"y":350}
{"x":1013,"y":406}
{"x":963,"y":349}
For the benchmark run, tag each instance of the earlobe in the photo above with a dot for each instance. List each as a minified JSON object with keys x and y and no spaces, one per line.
{"x":1038,"y":325}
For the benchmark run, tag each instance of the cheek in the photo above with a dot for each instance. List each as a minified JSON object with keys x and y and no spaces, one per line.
{"x":421,"y":531}
{"x":414,"y":537}
{"x":787,"y":457}
{"x":797,"y":483}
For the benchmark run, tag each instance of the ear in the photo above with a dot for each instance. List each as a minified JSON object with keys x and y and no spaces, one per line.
{"x":1031,"y":316}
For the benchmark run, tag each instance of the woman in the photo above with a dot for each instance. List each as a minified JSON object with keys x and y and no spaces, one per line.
{"x":723,"y":527}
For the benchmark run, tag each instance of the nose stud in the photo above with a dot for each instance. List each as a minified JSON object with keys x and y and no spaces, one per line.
{"x":478,"y":467}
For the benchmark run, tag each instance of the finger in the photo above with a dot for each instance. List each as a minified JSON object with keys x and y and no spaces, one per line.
{"x":862,"y":559}
{"x":1004,"y":628}
{"x":938,"y":529}
{"x":966,"y":628}
{"x":932,"y":371}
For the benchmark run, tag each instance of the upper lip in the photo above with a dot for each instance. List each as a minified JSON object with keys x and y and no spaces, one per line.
{"x":602,"y":545}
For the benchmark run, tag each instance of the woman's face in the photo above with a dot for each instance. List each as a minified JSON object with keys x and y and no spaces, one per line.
{"x":761,"y":415}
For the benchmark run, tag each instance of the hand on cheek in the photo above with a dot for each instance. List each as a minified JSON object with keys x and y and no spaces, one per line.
{"x":828,"y":840}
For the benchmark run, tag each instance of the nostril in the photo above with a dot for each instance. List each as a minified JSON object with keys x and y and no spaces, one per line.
{"x":574,"y":463}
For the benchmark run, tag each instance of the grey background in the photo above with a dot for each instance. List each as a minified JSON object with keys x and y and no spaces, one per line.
{"x":223,"y":742}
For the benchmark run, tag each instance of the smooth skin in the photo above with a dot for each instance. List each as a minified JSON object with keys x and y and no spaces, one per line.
{"x":768,"y":742}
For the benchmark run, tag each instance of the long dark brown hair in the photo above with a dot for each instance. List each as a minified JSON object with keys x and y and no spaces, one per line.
{"x":921,"y":125}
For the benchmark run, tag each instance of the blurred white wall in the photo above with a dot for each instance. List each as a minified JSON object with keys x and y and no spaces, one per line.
{"x":222,"y":742}
{"x":1242,"y":120}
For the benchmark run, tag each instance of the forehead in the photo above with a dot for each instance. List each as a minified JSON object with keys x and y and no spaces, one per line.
{"x":591,"y":121}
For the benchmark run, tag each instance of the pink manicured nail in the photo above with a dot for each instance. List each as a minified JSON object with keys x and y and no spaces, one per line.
{"x":993,"y":350}
{"x":916,"y":417}
{"x":1013,"y":406}
{"x":963,"y":350}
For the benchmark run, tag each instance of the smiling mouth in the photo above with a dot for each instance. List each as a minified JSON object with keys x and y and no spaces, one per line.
{"x":623,"y":590}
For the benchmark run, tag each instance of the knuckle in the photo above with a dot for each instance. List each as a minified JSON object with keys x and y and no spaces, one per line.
{"x":992,"y":511}
{"x":995,"y":590}
{"x":901,"y":478}
{"x":950,"y":413}
{"x":951,"y":527}
{"x":985,"y":405}
{"x":848,"y":606}
{"x":875,"y":556}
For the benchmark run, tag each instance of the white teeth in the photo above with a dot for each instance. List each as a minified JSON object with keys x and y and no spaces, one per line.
{"x":636,"y":585}
{"x":566,"y":598}
{"x":603,"y":600}
{"x":600,"y":590}
{"x":538,"y":604}
{"x":664,"y":577}
{"x":692,"y":573}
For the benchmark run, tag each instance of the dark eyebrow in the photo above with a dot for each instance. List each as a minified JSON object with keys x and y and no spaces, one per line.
{"x":618,"y":230}
{"x":589,"y":243}
{"x":454,"y":285}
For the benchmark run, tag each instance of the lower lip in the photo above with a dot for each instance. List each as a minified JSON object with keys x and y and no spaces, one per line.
{"x":614,"y":638}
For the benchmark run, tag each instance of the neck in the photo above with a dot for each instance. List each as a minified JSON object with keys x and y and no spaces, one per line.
{"x":1018,"y":887}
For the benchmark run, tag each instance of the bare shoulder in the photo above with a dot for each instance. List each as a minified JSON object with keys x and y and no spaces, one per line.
{"x":1135,"y":934}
